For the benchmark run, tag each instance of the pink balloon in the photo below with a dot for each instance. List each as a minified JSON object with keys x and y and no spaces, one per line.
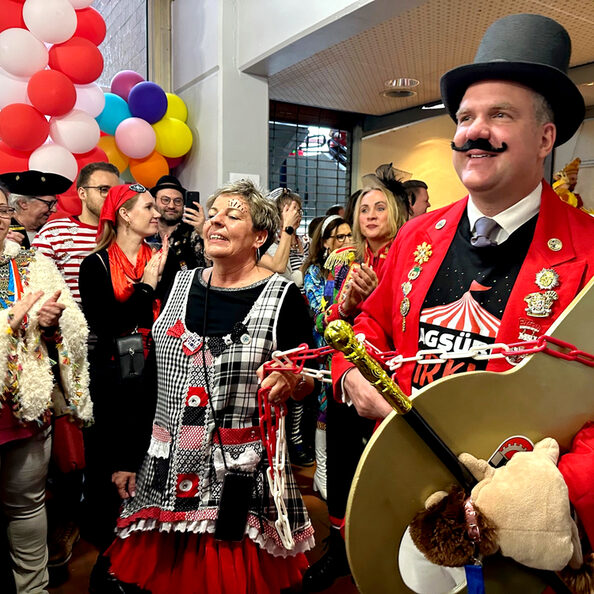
{"x":90,"y":98}
{"x":135,"y":138}
{"x":76,"y":131}
{"x":122,"y":83}
{"x":54,"y":158}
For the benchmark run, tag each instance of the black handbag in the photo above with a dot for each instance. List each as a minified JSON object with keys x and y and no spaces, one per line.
{"x":131,"y":356}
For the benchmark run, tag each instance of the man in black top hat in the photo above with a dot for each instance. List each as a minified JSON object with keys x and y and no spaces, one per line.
{"x":186,"y":248}
{"x":511,"y":106}
{"x":33,"y":195}
{"x":500,"y":265}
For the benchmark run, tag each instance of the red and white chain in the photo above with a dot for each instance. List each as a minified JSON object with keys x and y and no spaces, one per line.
{"x":272,"y":429}
{"x":499,"y":350}
{"x":272,"y":417}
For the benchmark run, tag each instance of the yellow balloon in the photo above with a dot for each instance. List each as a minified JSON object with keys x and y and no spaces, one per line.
{"x":174,"y":138}
{"x":176,"y":108}
{"x":115,"y":156}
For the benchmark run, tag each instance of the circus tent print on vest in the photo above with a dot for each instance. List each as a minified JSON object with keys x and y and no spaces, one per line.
{"x":457,"y":326}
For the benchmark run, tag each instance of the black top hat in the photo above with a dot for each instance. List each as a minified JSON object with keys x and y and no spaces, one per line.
{"x":532,"y":50}
{"x":35,"y":183}
{"x":168,"y":181}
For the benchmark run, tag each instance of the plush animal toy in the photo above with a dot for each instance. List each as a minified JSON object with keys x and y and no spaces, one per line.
{"x":522,"y":509}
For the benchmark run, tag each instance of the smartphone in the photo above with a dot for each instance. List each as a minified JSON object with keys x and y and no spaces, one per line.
{"x":192,"y":197}
{"x":234,"y":506}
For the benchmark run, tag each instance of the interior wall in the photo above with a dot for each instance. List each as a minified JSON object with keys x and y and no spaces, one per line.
{"x":196,"y":79}
{"x":422,"y":149}
{"x":227,"y":109}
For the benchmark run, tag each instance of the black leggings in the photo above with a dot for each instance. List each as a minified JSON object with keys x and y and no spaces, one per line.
{"x":346,"y":437}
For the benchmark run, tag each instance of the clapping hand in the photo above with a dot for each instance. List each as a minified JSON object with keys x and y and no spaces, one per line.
{"x":50,"y":312}
{"x":154,"y":267}
{"x":20,"y":309}
{"x":362,"y":282}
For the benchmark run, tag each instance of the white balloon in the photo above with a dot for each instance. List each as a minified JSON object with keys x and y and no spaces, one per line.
{"x":13,"y":89}
{"x":53,"y":158}
{"x":90,"y":98}
{"x":52,"y":21}
{"x":76,"y":131}
{"x":21,"y":53}
{"x":78,"y":4}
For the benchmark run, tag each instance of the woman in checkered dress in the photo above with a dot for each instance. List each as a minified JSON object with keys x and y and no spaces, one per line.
{"x":218,"y":327}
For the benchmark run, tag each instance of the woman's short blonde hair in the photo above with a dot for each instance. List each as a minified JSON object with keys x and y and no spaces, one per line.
{"x":264,"y":212}
{"x":397,"y":216}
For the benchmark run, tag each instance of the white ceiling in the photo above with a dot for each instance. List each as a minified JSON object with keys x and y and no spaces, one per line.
{"x":422,"y":43}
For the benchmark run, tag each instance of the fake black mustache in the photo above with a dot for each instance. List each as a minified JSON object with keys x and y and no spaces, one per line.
{"x":481,"y":144}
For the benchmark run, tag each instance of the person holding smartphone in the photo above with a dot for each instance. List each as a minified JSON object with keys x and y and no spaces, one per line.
{"x":182,"y":219}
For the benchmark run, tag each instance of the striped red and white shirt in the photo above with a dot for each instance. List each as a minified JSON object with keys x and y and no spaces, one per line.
{"x":67,"y":242}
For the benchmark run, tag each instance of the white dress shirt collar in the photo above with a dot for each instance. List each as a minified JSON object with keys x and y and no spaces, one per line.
{"x":511,"y":218}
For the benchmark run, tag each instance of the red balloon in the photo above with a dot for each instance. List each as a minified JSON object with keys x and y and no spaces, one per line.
{"x":22,"y":127}
{"x":93,"y":156}
{"x":173,"y":162}
{"x":78,"y":58}
{"x":68,"y":203}
{"x":51,"y":92}
{"x":11,"y":15}
{"x":11,"y":160}
{"x":90,"y":25}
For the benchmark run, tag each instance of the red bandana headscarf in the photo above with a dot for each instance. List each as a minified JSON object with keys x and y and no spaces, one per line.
{"x":115,"y":198}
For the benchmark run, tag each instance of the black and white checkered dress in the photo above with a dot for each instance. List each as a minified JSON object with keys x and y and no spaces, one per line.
{"x":179,"y":484}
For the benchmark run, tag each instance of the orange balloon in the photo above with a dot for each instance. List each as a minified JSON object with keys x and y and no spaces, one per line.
{"x":116,"y":157}
{"x":147,"y":171}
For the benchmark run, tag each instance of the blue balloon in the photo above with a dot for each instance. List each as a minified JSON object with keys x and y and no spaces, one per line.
{"x":147,"y":100}
{"x":116,"y":110}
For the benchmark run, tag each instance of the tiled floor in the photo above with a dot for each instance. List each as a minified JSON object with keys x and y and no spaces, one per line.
{"x":83,"y":559}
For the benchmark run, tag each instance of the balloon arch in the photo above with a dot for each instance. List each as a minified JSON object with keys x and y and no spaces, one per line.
{"x":54,"y":116}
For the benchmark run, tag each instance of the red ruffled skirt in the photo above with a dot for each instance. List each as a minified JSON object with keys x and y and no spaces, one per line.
{"x":188,"y":563}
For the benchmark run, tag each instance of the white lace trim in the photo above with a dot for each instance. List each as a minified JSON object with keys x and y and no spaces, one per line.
{"x":208,"y":526}
{"x":159,"y":449}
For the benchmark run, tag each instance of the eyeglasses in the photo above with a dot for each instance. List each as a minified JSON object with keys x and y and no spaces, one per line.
{"x":166,"y":200}
{"x":49,"y":203}
{"x":103,"y":190}
{"x":6,"y":212}
{"x":341,"y":236}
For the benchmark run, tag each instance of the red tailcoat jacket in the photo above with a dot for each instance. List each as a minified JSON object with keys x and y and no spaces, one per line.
{"x":563,"y":240}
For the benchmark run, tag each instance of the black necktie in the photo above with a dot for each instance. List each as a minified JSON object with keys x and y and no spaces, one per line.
{"x":483,"y":228}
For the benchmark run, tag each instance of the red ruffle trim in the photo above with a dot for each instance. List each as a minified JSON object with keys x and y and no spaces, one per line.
{"x":188,"y":563}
